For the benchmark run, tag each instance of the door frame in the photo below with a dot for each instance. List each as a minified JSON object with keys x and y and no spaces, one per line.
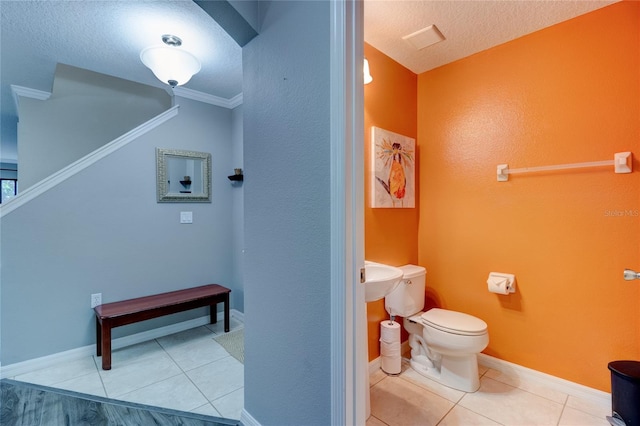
{"x":348,"y":346}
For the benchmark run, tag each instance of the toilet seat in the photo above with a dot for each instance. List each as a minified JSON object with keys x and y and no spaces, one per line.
{"x":454,"y":322}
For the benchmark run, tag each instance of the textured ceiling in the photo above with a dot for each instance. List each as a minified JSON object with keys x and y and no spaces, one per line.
{"x":107,"y":37}
{"x":469,"y":26}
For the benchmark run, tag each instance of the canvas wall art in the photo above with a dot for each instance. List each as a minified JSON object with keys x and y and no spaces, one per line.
{"x":393,"y":170}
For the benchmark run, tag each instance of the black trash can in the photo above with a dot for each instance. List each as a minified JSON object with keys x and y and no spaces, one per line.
{"x":625,"y":391}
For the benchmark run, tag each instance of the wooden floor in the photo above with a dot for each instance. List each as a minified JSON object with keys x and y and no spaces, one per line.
{"x":35,"y":405}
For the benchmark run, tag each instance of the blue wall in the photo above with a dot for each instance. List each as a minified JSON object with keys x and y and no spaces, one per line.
{"x":287,"y":216}
{"x":103,"y":231}
{"x":237,"y":193}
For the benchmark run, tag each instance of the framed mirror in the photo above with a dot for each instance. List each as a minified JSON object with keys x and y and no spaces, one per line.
{"x":183,"y":176}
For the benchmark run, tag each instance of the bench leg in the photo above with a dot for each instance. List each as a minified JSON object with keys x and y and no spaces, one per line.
{"x":98,"y":338}
{"x":106,"y":346}
{"x":226,"y":312}
{"x":213,"y":313}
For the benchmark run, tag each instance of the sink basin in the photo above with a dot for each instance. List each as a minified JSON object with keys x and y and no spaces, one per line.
{"x":380,"y":280}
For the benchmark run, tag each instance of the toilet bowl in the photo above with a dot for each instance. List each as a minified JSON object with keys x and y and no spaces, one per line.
{"x":444,"y":344}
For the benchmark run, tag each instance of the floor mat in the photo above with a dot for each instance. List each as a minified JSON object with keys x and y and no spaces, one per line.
{"x":233,"y":342}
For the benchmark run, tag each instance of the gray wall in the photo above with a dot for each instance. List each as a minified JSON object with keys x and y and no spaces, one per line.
{"x":85,"y":111}
{"x":103,"y":231}
{"x":287,"y":216}
{"x":237,"y":296}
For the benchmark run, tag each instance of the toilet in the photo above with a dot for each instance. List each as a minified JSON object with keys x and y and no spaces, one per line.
{"x":444,"y":344}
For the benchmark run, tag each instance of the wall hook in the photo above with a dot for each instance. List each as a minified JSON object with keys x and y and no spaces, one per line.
{"x":236,"y":176}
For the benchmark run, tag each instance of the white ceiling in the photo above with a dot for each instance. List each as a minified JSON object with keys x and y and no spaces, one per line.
{"x":469,"y":26}
{"x":107,"y":37}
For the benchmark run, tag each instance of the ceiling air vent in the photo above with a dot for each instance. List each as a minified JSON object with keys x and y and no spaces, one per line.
{"x":424,"y":37}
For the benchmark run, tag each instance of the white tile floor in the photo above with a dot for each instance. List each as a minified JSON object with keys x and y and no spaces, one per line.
{"x":190,"y":371}
{"x":411,"y":399}
{"x":187,"y":371}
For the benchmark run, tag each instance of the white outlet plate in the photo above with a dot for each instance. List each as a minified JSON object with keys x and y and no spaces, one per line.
{"x":96,"y":299}
{"x":186,"y":217}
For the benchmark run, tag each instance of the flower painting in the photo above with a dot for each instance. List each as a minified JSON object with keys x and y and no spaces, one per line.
{"x":392,"y":169}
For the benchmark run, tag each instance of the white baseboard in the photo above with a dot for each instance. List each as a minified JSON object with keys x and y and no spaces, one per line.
{"x":30,"y":365}
{"x":247,"y":419}
{"x":237,"y":315}
{"x":518,"y":371}
{"x":553,"y":382}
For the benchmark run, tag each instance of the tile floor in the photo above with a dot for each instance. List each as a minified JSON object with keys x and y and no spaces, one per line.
{"x":187,"y":371}
{"x":411,"y":399}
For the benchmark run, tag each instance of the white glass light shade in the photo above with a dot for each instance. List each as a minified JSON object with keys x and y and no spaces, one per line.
{"x":367,"y":75}
{"x":171,"y":65}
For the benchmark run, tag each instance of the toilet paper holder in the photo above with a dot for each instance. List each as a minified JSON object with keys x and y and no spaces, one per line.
{"x":504,"y":283}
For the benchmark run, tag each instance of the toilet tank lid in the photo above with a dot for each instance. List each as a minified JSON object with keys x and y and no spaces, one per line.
{"x":412,"y":271}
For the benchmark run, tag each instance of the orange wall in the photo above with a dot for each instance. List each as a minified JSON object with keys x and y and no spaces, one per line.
{"x":390,"y":234}
{"x":568,"y":93}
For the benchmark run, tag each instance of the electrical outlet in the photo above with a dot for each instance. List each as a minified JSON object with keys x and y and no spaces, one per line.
{"x":96,"y":299}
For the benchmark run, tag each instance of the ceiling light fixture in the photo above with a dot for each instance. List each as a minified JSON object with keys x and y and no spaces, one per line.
{"x":170,"y":64}
{"x":367,"y":75}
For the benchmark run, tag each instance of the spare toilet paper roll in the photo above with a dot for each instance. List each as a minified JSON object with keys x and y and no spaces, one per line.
{"x":389,"y":331}
{"x":498,"y":285}
{"x":391,"y":364}
{"x":390,"y":349}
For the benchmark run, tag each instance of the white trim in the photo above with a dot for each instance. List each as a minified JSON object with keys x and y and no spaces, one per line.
{"x":30,"y":365}
{"x":81,"y":164}
{"x":237,"y":100}
{"x":183,"y":92}
{"x":235,"y":314}
{"x":556,"y":383}
{"x":342,"y":348}
{"x":247,"y":419}
{"x":527,"y":374}
{"x":19,"y":91}
{"x":348,"y":341}
{"x":194,"y":95}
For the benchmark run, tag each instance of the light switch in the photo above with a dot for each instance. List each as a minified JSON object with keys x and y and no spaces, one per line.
{"x":186,"y":217}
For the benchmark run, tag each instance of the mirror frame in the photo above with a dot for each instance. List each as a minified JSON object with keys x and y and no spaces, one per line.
{"x":162,"y":183}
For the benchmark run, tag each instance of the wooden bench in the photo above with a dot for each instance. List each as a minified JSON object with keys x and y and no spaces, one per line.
{"x":115,"y":314}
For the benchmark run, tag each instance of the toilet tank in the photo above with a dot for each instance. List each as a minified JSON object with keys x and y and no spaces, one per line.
{"x":408,"y":298}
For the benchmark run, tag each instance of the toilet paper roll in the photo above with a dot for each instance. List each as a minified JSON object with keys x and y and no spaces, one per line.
{"x":389,"y":331}
{"x":390,"y":349}
{"x":498,"y":285}
{"x":391,"y":364}
{"x":501,"y":283}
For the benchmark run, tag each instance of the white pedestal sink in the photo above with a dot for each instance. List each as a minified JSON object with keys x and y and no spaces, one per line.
{"x":380,"y":280}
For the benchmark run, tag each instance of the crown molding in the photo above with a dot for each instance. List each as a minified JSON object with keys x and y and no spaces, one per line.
{"x":183,"y":92}
{"x":195,"y":95}
{"x":25,"y":92}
